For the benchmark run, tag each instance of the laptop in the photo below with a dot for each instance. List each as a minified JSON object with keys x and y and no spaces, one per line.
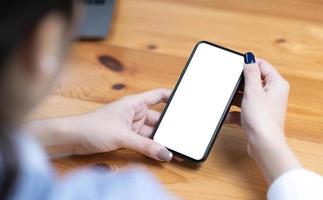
{"x":97,"y":17}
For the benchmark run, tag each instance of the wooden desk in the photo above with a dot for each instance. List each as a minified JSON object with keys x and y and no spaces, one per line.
{"x":147,"y":48}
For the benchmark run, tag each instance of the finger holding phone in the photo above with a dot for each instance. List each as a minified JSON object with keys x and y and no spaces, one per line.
{"x":262,"y":117}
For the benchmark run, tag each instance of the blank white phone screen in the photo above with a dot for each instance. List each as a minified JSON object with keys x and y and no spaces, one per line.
{"x":200,"y":100}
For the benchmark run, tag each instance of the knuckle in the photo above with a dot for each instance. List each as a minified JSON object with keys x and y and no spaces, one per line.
{"x":251,"y":74}
{"x":126,"y":98}
{"x":121,"y":143}
{"x":285,"y":84}
{"x":251,"y":88}
{"x":129,"y":99}
{"x":160,"y":89}
{"x":149,"y":148}
{"x":287,"y":87}
{"x":252,"y":93}
{"x":250,"y":69}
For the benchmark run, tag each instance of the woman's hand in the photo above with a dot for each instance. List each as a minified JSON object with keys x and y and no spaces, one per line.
{"x":126,"y":123}
{"x":262,"y":117}
{"x":263,"y":105}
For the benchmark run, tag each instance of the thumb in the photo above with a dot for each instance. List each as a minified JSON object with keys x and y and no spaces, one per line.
{"x":147,"y":147}
{"x":252,"y":74}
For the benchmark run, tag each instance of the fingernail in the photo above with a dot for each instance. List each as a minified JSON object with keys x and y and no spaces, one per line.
{"x":165,"y":155}
{"x":249,"y":58}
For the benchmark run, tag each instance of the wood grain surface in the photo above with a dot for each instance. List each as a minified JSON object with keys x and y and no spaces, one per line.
{"x":148,"y":46}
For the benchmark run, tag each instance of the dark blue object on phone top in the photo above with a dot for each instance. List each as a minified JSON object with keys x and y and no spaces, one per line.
{"x":249,"y":58}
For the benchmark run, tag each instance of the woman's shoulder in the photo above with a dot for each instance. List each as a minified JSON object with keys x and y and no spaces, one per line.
{"x":37,"y":180}
{"x":133,"y":183}
{"x":35,"y":177}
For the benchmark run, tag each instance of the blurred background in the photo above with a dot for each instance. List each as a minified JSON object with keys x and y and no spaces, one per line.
{"x":129,"y":46}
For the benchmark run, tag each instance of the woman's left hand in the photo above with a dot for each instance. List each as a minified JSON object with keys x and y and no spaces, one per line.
{"x":126,"y":123}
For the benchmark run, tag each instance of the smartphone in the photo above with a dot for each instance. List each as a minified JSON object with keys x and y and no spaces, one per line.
{"x":200,"y":101}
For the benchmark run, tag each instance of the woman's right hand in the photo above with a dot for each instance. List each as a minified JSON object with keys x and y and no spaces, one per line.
{"x":262,"y":117}
{"x":264,"y":106}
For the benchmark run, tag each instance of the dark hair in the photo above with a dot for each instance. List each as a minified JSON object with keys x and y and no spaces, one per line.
{"x":18,"y":18}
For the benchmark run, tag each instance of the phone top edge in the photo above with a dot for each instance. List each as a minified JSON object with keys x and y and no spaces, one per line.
{"x":219,"y":46}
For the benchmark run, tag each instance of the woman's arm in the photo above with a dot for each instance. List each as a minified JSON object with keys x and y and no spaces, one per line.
{"x":263,"y":119}
{"x":263,"y":105}
{"x":263,"y":109}
{"x":126,"y":123}
{"x":57,"y":135}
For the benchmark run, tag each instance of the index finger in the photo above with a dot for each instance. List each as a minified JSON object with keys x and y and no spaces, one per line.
{"x":267,"y":70}
{"x":154,"y":97}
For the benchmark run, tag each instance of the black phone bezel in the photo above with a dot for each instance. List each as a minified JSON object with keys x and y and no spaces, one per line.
{"x":226,"y":110}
